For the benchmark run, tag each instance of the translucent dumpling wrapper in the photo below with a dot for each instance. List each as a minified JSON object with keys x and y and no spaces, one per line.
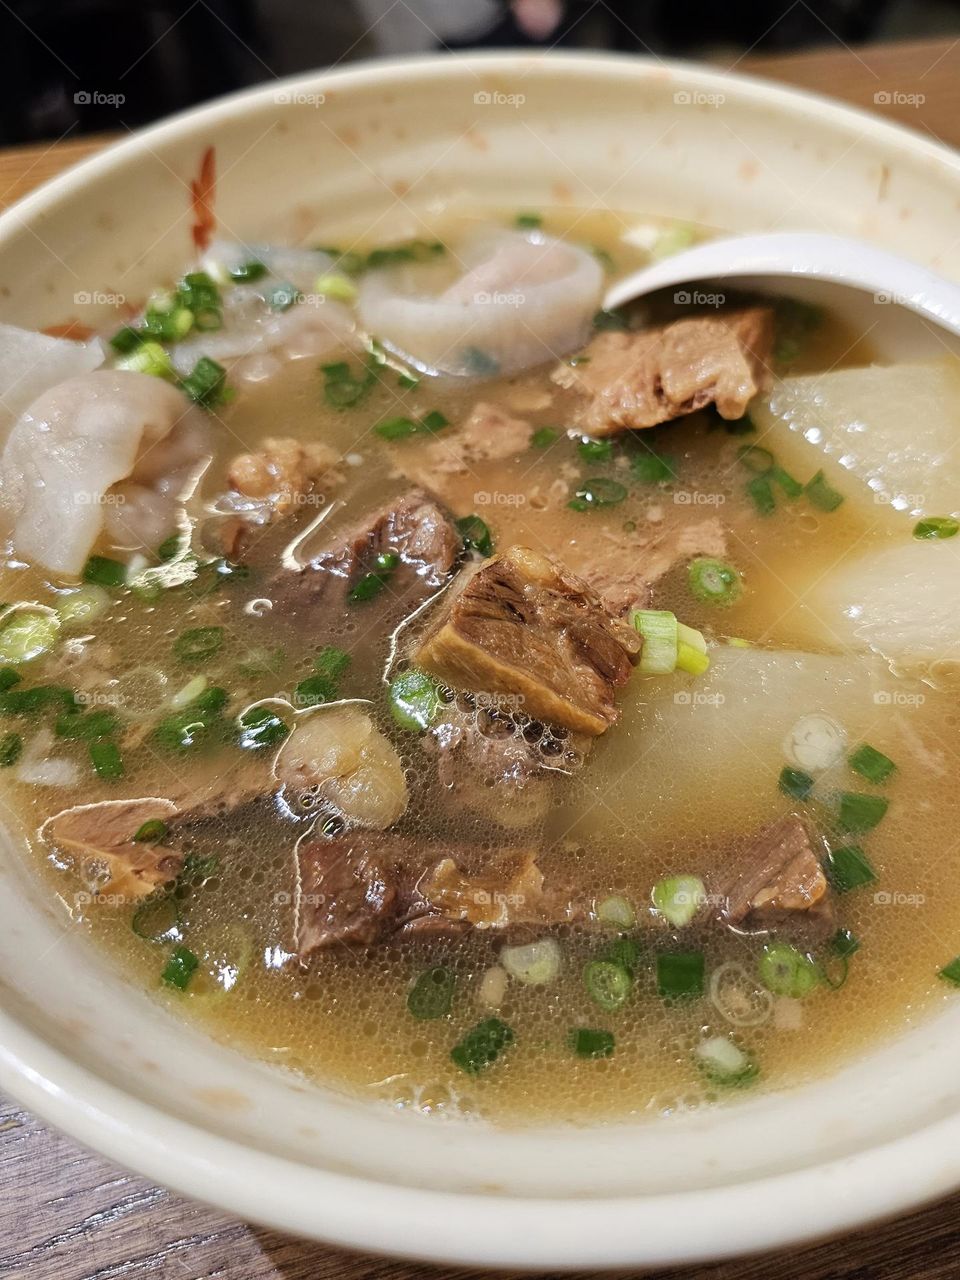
{"x":519,"y":300}
{"x":105,"y":444}
{"x":31,"y":363}
{"x":314,"y":326}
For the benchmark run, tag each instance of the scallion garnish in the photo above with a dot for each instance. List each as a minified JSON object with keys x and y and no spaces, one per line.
{"x":760,"y":492}
{"x":196,"y":644}
{"x":106,"y":759}
{"x":713,"y":581}
{"x":11,"y":745}
{"x":595,"y":450}
{"x":590,"y":1042}
{"x":871,"y":763}
{"x":543,"y":437}
{"x":786,"y":971}
{"x":150,"y":832}
{"x":792,"y":488}
{"x":149,"y":358}
{"x":528,"y":221}
{"x":180,"y":968}
{"x":371,"y":584}
{"x":431,"y":996}
{"x":158,"y":918}
{"x":608,"y":984}
{"x":126,"y":340}
{"x":845,"y":943}
{"x":104,"y":572}
{"x":482,"y":1045}
{"x":848,"y":868}
{"x":795,"y":783}
{"x":402,"y":428}
{"x":680,"y":974}
{"x":936,"y":527}
{"x":658,"y":656}
{"x":8,"y":678}
{"x":261,"y":727}
{"x":951,"y":972}
{"x":678,"y":899}
{"x":89,"y":727}
{"x":755,"y":458}
{"x":598,"y":491}
{"x":247,"y":272}
{"x":859,"y":812}
{"x":26,"y":635}
{"x":822,"y":494}
{"x":191,"y":726}
{"x":414,"y":700}
{"x":607,"y":320}
{"x":206,"y":384}
{"x":648,"y":467}
{"x":476,"y":535}
{"x":724,"y":1062}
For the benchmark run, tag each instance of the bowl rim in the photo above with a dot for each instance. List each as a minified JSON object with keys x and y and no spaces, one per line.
{"x":491,"y":1230}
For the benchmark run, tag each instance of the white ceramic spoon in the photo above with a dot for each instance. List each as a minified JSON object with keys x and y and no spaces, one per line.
{"x":801,"y":255}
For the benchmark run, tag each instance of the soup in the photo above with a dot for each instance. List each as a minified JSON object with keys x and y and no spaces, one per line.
{"x":464,"y":696}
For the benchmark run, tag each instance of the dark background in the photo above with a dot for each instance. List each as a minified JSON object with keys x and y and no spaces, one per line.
{"x":83,"y":66}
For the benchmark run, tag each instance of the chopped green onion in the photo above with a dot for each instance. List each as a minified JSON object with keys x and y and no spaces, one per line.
{"x":347,"y":260}
{"x":206,"y":384}
{"x":528,"y":221}
{"x":149,"y":358}
{"x":689,"y":636}
{"x":104,"y":572}
{"x":588,"y":1042}
{"x":8,"y":678}
{"x":150,"y":832}
{"x":479,"y":364}
{"x":692,"y":660}
{"x":190,"y":726}
{"x":11,"y":745}
{"x":431,"y":996}
{"x":180,"y":968}
{"x":533,"y":963}
{"x":618,"y":911}
{"x":396,"y":428}
{"x":247,"y":272}
{"x":658,"y":656}
{"x":844,"y":943}
{"x":672,"y":239}
{"x":261,"y":727}
{"x":482,"y":1045}
{"x":476,"y":535}
{"x":89,"y":727}
{"x":680,"y":974}
{"x":936,"y":527}
{"x":760,"y":492}
{"x":29,"y":701}
{"x":794,"y":782}
{"x":871,"y":763}
{"x":598,"y":491}
{"x":106,"y":759}
{"x":678,"y":898}
{"x":315,"y":690}
{"x":723,"y":1062}
{"x":713,"y":581}
{"x":171,"y":547}
{"x":604,"y":258}
{"x":543,"y":437}
{"x":85,"y":604}
{"x":951,"y":972}
{"x":848,"y":868}
{"x":371,"y":584}
{"x":331,"y":662}
{"x":625,"y":953}
{"x":860,"y":812}
{"x":822,"y":494}
{"x":409,"y":251}
{"x":786,"y":971}
{"x":174,"y":324}
{"x":434,"y":421}
{"x":755,"y":458}
{"x":125,"y":340}
{"x":648,"y":467}
{"x":792,"y":488}
{"x":196,"y":644}
{"x":595,"y":450}
{"x":606,"y":320}
{"x":608,"y":984}
{"x":339,"y":287}
{"x":408,"y":381}
{"x":27,"y":634}
{"x":414,"y":700}
{"x":158,"y":918}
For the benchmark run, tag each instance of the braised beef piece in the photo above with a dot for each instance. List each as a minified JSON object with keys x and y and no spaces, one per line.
{"x":109,"y":860}
{"x":636,"y":380}
{"x":367,"y":887}
{"x":624,"y":568}
{"x":781,"y":884}
{"x":414,"y":527}
{"x":523,"y":626}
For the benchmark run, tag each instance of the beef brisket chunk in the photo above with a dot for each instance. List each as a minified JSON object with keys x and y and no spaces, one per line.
{"x":522,"y":625}
{"x":365,"y":888}
{"x":414,"y":528}
{"x":780,"y":883}
{"x":636,"y":380}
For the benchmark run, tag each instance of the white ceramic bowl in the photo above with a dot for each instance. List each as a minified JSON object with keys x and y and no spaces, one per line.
{"x":383,"y":143}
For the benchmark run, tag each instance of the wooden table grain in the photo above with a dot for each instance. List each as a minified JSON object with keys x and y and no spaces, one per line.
{"x":67,"y":1214}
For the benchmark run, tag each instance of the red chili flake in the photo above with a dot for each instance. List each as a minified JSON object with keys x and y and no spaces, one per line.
{"x":72,"y":329}
{"x":202,"y":192}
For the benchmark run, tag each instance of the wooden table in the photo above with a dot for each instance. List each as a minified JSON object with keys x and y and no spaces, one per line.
{"x":68,"y":1215}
